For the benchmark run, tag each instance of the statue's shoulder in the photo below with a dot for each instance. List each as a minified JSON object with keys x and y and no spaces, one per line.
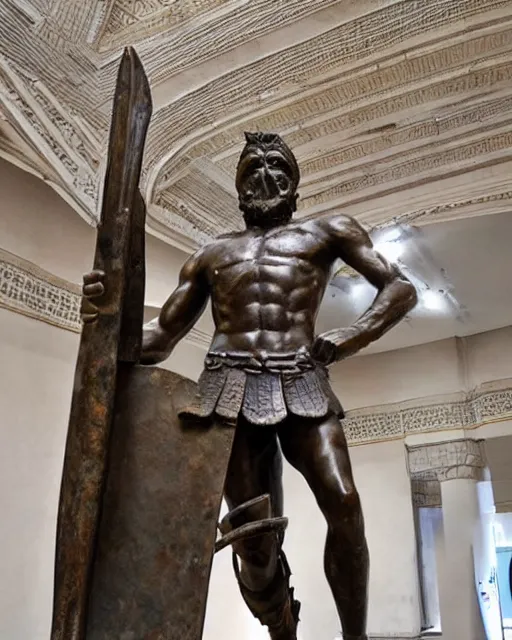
{"x":219,"y":244}
{"x":230,"y":235}
{"x":339,"y":225}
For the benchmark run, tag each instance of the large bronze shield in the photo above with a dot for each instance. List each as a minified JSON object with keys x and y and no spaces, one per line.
{"x":160,"y":510}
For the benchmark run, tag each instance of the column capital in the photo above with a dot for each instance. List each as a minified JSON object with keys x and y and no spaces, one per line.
{"x":450,"y":460}
{"x":426,"y":493}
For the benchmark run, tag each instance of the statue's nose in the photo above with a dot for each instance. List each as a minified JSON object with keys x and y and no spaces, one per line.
{"x":268,"y":182}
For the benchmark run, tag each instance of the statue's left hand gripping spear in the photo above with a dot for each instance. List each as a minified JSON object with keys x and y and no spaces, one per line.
{"x":98,"y":357}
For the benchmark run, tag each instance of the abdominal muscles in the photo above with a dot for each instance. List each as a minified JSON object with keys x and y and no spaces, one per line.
{"x":265,"y":314}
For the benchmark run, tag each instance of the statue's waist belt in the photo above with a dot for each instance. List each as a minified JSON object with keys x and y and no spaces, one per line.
{"x":289,"y":363}
{"x":265,"y":390}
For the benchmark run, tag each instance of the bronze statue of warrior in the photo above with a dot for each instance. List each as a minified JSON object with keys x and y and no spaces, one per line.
{"x":266,"y":373}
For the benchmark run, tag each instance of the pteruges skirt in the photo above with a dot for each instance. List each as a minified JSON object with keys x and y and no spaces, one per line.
{"x":265,"y":391}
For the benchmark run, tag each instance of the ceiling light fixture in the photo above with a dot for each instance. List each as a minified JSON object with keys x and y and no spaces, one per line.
{"x":392,"y":251}
{"x":388,"y":234}
{"x":433,"y":300}
{"x":391,"y":242}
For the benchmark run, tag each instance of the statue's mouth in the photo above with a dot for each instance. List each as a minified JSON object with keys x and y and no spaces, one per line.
{"x":265,"y":212}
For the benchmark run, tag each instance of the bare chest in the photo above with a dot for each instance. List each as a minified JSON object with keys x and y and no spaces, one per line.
{"x":281,"y":262}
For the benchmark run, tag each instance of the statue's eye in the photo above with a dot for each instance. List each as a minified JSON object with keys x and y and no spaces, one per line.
{"x":274,"y":161}
{"x":282,"y":182}
{"x":253,"y":164}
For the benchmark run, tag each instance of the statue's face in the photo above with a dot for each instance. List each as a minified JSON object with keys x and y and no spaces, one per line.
{"x":265,"y":186}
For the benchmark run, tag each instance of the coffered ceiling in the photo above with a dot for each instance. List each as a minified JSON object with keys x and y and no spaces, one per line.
{"x":396,"y":109}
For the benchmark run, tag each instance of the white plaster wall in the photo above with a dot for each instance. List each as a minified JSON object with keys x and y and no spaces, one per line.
{"x":437,"y":368}
{"x":489,"y":356}
{"x":382,"y":479}
{"x":36,"y":224}
{"x":36,"y":377}
{"x":395,"y":376}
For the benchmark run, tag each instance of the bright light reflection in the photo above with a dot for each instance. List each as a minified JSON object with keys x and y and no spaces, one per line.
{"x":391,"y":234}
{"x":358,"y":290}
{"x":390,"y":250}
{"x":433,"y":300}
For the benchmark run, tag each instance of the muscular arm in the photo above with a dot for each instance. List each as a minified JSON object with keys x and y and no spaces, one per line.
{"x":395,"y":298}
{"x":178,"y":315}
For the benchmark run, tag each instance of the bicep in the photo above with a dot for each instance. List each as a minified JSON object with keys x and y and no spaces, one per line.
{"x":188,"y":300}
{"x":356,"y":249}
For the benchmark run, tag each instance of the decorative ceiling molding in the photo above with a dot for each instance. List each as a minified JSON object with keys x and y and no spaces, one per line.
{"x":50,"y":133}
{"x":195,"y":21}
{"x":215,"y":33}
{"x":285,"y":76}
{"x":494,"y":203}
{"x":380,"y":99}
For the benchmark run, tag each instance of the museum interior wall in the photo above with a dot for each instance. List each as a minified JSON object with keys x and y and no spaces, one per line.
{"x":455,"y":390}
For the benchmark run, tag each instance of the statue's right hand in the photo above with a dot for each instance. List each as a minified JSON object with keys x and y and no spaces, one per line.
{"x":93,"y":287}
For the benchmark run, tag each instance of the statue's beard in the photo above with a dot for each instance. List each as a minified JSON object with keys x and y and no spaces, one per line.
{"x":267,"y":198}
{"x":267,"y":212}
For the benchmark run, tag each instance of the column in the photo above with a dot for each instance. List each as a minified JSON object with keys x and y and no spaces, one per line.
{"x":460,"y":612}
{"x":457,"y":465}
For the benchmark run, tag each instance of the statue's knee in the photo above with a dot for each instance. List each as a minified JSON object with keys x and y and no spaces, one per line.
{"x":343,"y":506}
{"x":352,"y":501}
{"x":350,"y":507}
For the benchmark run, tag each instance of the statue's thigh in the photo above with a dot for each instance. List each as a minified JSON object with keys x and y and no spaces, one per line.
{"x":318,"y":450}
{"x":255,"y":467}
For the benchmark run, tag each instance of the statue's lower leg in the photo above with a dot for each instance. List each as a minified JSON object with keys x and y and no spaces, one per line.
{"x":262,"y":571}
{"x":346,"y":566}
